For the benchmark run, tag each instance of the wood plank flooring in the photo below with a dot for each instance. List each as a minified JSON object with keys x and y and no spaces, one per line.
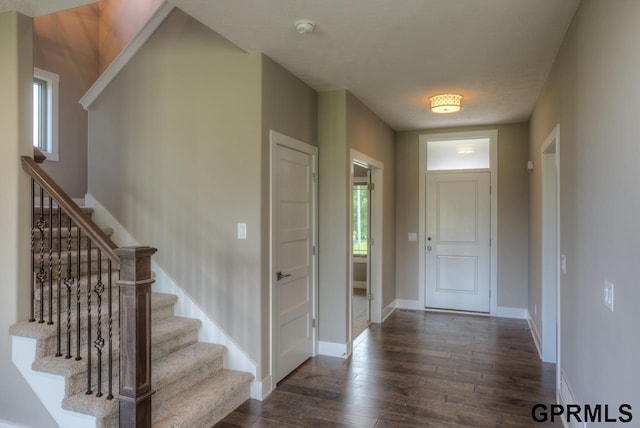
{"x":417,"y":369}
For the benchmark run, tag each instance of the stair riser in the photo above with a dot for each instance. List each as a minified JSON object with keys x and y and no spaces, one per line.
{"x":185,"y":382}
{"x":78,"y":382}
{"x":48,"y":346}
{"x":64,"y":243}
{"x":88,"y":212}
{"x":64,"y":267}
{"x":115,"y":293}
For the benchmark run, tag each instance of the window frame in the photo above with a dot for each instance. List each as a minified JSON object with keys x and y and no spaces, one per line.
{"x":48,"y":114}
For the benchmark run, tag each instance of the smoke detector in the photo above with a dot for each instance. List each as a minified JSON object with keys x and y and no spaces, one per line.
{"x":305,"y":26}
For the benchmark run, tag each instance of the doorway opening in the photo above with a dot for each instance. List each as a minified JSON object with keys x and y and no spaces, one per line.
{"x":365,"y":242}
{"x":360,"y":281}
{"x":550,"y":300}
{"x":458,"y":222}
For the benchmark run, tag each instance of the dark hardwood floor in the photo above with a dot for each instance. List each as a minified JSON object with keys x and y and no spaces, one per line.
{"x":417,"y":369}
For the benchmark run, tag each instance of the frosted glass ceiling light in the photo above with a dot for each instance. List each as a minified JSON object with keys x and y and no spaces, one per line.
{"x":446,"y":103}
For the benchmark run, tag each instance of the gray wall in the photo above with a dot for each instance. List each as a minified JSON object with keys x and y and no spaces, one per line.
{"x":369,"y":135}
{"x":512,"y":212}
{"x":18,"y":403}
{"x":592,"y":92}
{"x":333,"y":194}
{"x":345,"y":123}
{"x":175,"y":155}
{"x":66,"y":43}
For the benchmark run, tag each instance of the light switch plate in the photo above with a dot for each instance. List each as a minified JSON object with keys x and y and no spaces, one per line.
{"x":608,"y":294}
{"x":242,"y":230}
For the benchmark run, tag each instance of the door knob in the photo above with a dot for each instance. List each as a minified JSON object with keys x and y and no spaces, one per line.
{"x":280,"y":275}
{"x":429,"y":248}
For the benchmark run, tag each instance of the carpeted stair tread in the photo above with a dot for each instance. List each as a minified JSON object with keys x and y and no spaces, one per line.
{"x":41,"y":331}
{"x":205,"y":403}
{"x":161,"y":331}
{"x":164,"y":372}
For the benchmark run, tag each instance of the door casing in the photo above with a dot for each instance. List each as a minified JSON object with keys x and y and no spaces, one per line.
{"x":275,"y":139}
{"x":493,"y":169}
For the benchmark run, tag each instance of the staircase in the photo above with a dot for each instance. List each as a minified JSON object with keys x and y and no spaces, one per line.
{"x":192,"y":388}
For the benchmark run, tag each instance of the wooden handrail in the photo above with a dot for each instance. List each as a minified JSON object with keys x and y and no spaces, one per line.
{"x":38,"y":156}
{"x":88,"y":227}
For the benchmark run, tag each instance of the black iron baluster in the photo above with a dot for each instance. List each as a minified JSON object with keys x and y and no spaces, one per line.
{"x":50,"y":322}
{"x":68,"y":282}
{"x":89,"y":316}
{"x":58,"y":314}
{"x":79,"y":237}
{"x":32,"y":315}
{"x":42,"y":223}
{"x":99,"y":342}
{"x":110,"y":362}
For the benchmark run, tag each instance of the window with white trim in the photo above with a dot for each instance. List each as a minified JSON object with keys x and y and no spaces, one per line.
{"x":45,"y":112}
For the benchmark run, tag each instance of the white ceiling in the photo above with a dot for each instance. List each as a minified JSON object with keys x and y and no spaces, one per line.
{"x":394,"y":54}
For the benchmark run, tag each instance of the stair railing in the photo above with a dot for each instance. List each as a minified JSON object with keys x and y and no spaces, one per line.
{"x":50,"y":277}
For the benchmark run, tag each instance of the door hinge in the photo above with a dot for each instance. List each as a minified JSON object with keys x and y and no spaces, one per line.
{"x":371,"y":186}
{"x":370,"y":296}
{"x":313,"y":249}
{"x":371,"y":241}
{"x":313,"y":323}
{"x":314,"y":176}
{"x":490,"y":189}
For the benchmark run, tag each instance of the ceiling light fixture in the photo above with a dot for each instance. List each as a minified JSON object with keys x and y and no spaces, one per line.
{"x":446,"y":103}
{"x":305,"y":26}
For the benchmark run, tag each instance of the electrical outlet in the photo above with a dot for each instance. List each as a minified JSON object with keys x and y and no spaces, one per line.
{"x":608,"y":294}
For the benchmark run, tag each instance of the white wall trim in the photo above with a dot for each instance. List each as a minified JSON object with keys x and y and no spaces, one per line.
{"x":492,"y":134}
{"x":6,"y":424}
{"x":127,"y":54}
{"x":565,"y":396}
{"x":388,"y":310}
{"x":275,"y":139}
{"x":340,"y":350}
{"x":48,"y":387}
{"x":535,"y":334}
{"x":413,"y":305}
{"x":507,"y":312}
{"x":210,"y":332}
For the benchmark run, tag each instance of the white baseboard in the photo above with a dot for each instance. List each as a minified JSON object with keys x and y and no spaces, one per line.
{"x":388,"y":310}
{"x":210,"y":332}
{"x":49,"y":388}
{"x":537,"y":339}
{"x":507,"y":312}
{"x":409,"y":304}
{"x":566,"y":396}
{"x":332,"y":349}
{"x":5,"y":424}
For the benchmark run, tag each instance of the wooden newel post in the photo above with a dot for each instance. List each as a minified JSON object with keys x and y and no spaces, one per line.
{"x":135,"y":336}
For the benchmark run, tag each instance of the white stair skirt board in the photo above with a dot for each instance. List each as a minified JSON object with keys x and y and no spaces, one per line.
{"x":210,"y":332}
{"x":537,"y":339}
{"x":331,"y":349}
{"x":49,"y":388}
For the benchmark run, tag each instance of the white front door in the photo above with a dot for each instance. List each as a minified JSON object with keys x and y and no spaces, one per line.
{"x":293,"y":282}
{"x":458,"y":240}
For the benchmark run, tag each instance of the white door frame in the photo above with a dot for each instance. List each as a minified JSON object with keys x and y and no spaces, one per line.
{"x":375,"y":283}
{"x":275,"y":139}
{"x":550,"y":257}
{"x":492,"y":134}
